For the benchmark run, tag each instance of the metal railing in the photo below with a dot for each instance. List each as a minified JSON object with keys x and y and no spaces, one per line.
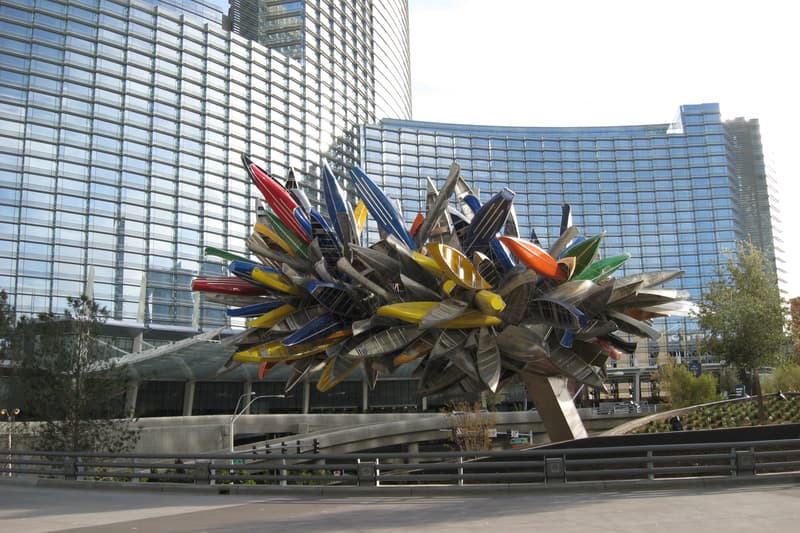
{"x":284,"y":467}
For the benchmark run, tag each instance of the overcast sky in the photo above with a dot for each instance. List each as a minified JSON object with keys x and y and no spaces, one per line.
{"x":615,"y":62}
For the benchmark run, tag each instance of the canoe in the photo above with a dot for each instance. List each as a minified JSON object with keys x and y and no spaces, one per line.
{"x":533,"y":257}
{"x":317,"y":328}
{"x":298,"y":319}
{"x":600,"y":270}
{"x":297,"y":193}
{"x":563,"y":241}
{"x":275,"y":280}
{"x":339,"y":211}
{"x":499,"y":253}
{"x":270,"y":318}
{"x":465,"y":203}
{"x":280,"y":200}
{"x":336,"y":299}
{"x":271,"y":238}
{"x":444,"y":311}
{"x":437,"y":223}
{"x":222,"y":254}
{"x":416,"y":349}
{"x":336,"y":370}
{"x":360,"y":216}
{"x":227,"y":285}
{"x":327,"y":240}
{"x":489,"y":302}
{"x":486,"y":223}
{"x":418,"y":220}
{"x":488,"y":359}
{"x":380,"y":207}
{"x":414,"y":312}
{"x":297,"y":245}
{"x":456,"y":266}
{"x":449,"y":341}
{"x":384,"y":342}
{"x":556,"y":313}
{"x":584,"y":252}
{"x":254,"y":310}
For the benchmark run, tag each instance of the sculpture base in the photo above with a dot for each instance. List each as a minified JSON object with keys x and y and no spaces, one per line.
{"x":555,"y":405}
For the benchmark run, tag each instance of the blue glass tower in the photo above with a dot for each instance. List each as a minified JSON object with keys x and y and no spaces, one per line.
{"x":665,"y":193}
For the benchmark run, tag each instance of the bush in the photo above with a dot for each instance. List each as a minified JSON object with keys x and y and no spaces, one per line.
{"x":785,"y":378}
{"x":685,"y":389}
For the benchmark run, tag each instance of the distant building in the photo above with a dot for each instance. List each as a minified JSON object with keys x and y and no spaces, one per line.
{"x":121,"y":126}
{"x":757,"y":189}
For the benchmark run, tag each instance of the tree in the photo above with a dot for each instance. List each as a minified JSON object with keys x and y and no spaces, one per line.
{"x":743,"y":315}
{"x":6,"y":325}
{"x":685,"y":388}
{"x":68,"y":383}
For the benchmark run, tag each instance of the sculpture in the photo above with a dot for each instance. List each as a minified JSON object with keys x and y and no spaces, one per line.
{"x":459,"y":291}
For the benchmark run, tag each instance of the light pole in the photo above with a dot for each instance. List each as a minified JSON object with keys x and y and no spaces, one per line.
{"x":239,"y":401}
{"x":236,"y":415}
{"x":10,"y":415}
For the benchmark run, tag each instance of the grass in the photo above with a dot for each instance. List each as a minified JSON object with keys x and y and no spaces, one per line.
{"x":732,"y":414}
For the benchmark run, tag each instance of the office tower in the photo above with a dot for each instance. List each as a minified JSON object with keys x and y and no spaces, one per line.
{"x":757,"y":186}
{"x":665,"y":193}
{"x":122,"y":123}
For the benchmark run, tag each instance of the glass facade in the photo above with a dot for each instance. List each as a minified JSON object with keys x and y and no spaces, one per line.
{"x":121,"y":125}
{"x":665,"y":193}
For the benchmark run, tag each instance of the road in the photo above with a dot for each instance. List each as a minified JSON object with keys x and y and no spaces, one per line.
{"x":771,"y":508}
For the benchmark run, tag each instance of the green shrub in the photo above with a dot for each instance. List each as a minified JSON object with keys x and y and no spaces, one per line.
{"x":685,"y":388}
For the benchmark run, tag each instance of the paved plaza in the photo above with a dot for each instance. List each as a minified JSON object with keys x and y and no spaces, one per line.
{"x":771,"y":508}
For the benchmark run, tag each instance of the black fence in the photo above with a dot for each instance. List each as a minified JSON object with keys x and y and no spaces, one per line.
{"x":287,"y":468}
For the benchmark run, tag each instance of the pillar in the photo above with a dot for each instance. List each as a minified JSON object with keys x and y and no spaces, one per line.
{"x":306,"y":396}
{"x":188,"y":398}
{"x":637,"y":387}
{"x":364,"y":394}
{"x":555,"y":406}
{"x":247,"y":388}
{"x":131,"y":396}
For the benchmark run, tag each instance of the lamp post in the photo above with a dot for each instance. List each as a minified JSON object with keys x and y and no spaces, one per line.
{"x":239,"y":401}
{"x":236,"y":414}
{"x":10,"y":415}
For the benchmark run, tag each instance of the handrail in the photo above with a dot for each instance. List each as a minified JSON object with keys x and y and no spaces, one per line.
{"x":286,"y":468}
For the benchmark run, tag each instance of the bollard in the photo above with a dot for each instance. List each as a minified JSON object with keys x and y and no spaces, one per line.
{"x":745,"y":465}
{"x":202,"y":473}
{"x":70,"y":468}
{"x":366,"y":473}
{"x":554,"y":470}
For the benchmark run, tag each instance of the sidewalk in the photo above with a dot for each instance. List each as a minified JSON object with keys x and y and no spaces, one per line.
{"x":730,"y":509}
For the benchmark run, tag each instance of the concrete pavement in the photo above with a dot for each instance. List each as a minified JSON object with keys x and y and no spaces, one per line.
{"x":772,"y":508}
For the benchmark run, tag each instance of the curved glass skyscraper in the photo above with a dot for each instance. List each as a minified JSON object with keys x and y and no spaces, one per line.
{"x":668,"y":194}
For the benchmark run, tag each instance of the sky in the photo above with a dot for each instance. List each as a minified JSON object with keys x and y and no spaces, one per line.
{"x":615,"y":62}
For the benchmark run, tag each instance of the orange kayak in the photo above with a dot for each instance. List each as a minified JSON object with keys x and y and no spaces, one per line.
{"x":533,"y":257}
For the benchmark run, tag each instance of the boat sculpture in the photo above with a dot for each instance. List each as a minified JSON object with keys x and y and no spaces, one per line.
{"x":457,"y":293}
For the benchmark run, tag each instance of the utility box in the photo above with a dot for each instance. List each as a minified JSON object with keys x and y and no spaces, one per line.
{"x":367,"y":474}
{"x":554,"y":470}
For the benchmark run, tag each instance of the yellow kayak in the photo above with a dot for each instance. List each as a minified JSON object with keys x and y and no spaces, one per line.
{"x":275,"y":280}
{"x":429,"y":264}
{"x":360,"y":215}
{"x":457,"y":266}
{"x":275,"y":351}
{"x":414,"y":312}
{"x":267,"y":232}
{"x":336,"y":370}
{"x":267,"y":320}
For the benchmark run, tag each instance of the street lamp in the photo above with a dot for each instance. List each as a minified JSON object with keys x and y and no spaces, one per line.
{"x":236,"y":415}
{"x":10,"y":415}
{"x":248,"y":394}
